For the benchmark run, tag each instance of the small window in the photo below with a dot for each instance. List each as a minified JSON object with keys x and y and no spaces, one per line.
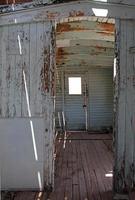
{"x":75,"y":86}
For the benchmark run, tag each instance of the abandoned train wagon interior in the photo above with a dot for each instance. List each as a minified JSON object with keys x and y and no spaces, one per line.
{"x":67,"y":100}
{"x":84,"y":107}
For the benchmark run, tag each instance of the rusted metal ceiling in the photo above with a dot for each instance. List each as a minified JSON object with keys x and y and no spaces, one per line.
{"x":82,"y":26}
{"x":85,"y":43}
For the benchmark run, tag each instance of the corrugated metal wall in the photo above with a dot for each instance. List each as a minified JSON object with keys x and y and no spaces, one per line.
{"x":100,"y":98}
{"x":26,"y":105}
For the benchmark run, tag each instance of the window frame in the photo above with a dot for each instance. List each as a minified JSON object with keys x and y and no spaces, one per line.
{"x":74,"y":94}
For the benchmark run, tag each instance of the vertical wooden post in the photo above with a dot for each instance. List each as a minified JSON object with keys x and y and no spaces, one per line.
{"x":125,"y":109}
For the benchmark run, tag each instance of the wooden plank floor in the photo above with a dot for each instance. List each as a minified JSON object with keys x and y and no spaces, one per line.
{"x":83,"y":167}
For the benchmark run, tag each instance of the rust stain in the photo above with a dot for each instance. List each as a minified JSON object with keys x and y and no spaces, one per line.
{"x":105,"y":33}
{"x":107,"y":27}
{"x":100,"y":48}
{"x":75,"y":13}
{"x":65,"y":27}
{"x":83,"y":62}
{"x":61,"y":52}
{"x":58,"y":61}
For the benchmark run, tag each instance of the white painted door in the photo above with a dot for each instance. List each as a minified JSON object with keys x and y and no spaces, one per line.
{"x":75,"y":101}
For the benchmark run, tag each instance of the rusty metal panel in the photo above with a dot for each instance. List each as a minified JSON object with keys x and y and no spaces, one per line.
{"x":85,"y":26}
{"x":78,"y":44}
{"x":27,"y":79}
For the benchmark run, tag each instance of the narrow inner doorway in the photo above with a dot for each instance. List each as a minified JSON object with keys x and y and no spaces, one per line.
{"x":85,"y":78}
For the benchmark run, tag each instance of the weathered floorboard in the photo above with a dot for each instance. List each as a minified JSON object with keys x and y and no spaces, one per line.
{"x":83,"y":167}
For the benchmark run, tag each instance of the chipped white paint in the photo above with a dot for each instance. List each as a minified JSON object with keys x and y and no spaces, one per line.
{"x":27,"y":108}
{"x":125,"y":115}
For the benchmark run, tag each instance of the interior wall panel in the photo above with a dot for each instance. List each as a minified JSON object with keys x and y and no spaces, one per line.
{"x":27,"y":105}
{"x":100,"y":98}
{"x":124,"y":178}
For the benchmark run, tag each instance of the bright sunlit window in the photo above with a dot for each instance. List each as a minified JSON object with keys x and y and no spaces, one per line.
{"x":75,"y":86}
{"x":100,"y":12}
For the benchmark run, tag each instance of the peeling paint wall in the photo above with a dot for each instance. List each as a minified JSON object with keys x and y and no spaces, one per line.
{"x":27,"y":75}
{"x":124,"y":170}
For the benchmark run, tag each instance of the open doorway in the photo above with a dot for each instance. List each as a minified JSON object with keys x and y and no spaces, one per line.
{"x":85,"y":60}
{"x":29,"y":42}
{"x":84,"y":107}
